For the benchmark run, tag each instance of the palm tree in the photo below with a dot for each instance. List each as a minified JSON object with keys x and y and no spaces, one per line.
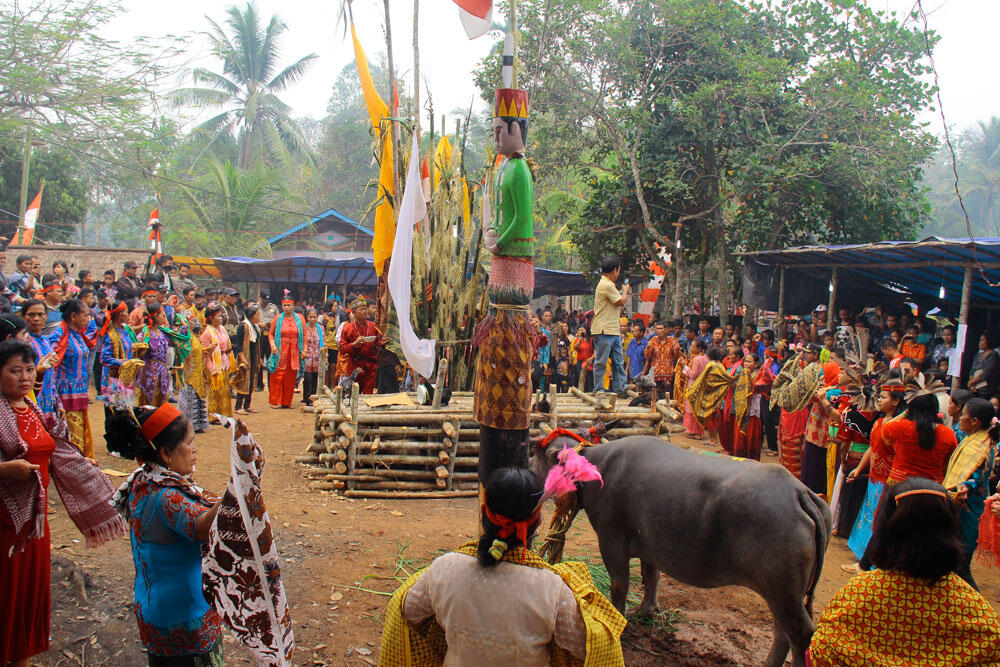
{"x":248,"y":88}
{"x":227,"y":210}
{"x":982,"y":161}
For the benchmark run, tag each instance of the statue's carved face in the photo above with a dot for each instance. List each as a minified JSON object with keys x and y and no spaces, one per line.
{"x":507,"y":139}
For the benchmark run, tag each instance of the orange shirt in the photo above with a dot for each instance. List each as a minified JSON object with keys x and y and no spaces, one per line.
{"x":899,"y":439}
{"x":913,"y":350}
{"x":662,"y":355}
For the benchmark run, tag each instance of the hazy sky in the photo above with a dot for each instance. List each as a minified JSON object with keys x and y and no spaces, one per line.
{"x":966,"y":65}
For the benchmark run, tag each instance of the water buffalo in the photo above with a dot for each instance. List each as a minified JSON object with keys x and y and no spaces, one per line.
{"x":706,"y":521}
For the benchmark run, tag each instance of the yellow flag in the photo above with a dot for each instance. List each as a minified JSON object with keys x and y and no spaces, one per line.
{"x":442,"y":159}
{"x":385,"y":217}
{"x":466,"y":207}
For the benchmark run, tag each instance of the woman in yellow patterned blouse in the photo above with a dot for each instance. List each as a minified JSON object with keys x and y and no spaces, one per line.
{"x":912,"y":610}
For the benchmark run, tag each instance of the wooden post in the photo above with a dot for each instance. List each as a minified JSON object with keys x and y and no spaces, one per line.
{"x":781,"y":305}
{"x":678,"y":295}
{"x":830,"y":309}
{"x":352,"y":452}
{"x":553,"y":421}
{"x":442,"y":375}
{"x":963,"y":324}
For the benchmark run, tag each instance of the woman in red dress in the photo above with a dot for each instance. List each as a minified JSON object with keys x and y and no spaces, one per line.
{"x":287,"y":347}
{"x":33,"y":447}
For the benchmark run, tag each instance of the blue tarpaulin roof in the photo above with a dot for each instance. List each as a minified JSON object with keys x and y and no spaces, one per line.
{"x":914,"y":269}
{"x":359,"y":273}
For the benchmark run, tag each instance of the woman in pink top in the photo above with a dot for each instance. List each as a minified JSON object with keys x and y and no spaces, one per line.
{"x":697,"y":363}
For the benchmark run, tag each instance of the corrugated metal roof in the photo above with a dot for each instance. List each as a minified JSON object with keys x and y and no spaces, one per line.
{"x":913,"y":268}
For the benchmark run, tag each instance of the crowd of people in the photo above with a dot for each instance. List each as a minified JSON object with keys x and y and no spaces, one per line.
{"x":164,"y":354}
{"x":857,"y":409}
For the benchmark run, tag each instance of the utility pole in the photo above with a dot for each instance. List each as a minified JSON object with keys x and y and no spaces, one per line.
{"x":678,"y":254}
{"x":25,"y":172}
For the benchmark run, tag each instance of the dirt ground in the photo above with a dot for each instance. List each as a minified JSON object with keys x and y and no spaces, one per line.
{"x":341,"y":560}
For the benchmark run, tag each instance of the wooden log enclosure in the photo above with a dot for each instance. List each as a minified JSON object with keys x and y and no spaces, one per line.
{"x":414,"y":451}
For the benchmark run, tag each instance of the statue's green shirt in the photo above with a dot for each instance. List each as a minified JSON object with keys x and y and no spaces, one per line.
{"x":514,"y":217}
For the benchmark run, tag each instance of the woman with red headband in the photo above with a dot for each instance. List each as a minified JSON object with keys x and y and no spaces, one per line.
{"x":287,"y":339}
{"x":72,"y":348}
{"x":219,"y":362}
{"x":153,"y":380}
{"x":117,"y":348}
{"x":496,"y":602}
{"x":33,"y":448}
{"x":914,"y":609}
{"x":34,"y":314}
{"x":169,"y":518}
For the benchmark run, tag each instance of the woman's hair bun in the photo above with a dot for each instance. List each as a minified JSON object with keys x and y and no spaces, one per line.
{"x":123,"y":435}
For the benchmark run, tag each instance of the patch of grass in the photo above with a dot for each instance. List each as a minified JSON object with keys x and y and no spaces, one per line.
{"x":665,"y":620}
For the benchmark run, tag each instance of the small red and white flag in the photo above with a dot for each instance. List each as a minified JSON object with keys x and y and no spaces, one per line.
{"x":155,"y":242}
{"x":650,"y":293}
{"x":476,"y":15}
{"x":30,"y":219}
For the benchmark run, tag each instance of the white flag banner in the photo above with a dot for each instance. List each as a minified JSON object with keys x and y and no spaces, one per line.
{"x":419,"y":352}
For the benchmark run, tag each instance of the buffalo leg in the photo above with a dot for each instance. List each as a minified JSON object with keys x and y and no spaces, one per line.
{"x":796,"y":629}
{"x":616,"y":559}
{"x":650,"y":583}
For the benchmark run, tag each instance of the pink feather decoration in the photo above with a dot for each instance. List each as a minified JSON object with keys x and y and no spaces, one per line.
{"x":571,"y":470}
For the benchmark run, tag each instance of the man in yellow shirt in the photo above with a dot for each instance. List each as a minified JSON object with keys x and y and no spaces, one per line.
{"x":606,"y":331}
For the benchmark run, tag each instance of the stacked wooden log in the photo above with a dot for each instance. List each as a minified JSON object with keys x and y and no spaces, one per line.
{"x":413,"y":451}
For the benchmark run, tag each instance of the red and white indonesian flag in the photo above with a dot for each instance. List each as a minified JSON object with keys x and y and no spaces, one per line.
{"x":155,"y":243}
{"x":476,"y":15}
{"x":650,"y":293}
{"x":30,"y":219}
{"x":419,"y":352}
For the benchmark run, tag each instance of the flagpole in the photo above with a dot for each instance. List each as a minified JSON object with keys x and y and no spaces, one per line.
{"x":516,"y":36}
{"x":25,"y":171}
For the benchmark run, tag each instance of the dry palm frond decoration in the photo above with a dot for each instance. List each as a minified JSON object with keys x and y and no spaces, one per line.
{"x":918,"y":386}
{"x":448,"y":278}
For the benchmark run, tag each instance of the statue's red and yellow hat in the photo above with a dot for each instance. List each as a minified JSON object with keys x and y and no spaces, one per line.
{"x":510,"y":103}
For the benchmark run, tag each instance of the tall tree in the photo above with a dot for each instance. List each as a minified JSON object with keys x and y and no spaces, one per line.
{"x":754,"y":126}
{"x":247,"y":89}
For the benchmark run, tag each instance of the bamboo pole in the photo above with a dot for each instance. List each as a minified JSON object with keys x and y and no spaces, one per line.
{"x":589,"y":400}
{"x":832,"y":305}
{"x":781,"y":304}
{"x":413,"y":495}
{"x":442,"y":375}
{"x":352,"y":452}
{"x":963,"y":324}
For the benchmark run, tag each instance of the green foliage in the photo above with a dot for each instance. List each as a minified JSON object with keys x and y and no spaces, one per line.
{"x":64,"y":200}
{"x":757,"y":126}
{"x":247,"y":89}
{"x":62,"y":79}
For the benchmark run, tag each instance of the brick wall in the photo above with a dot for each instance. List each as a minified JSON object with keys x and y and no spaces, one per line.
{"x":97,"y":260}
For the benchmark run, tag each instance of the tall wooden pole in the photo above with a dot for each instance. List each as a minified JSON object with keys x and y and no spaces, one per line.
{"x":516,"y":35}
{"x":678,"y":258}
{"x":416,"y":68}
{"x":392,"y":101}
{"x":781,"y":305}
{"x":832,"y":305}
{"x":963,"y":326}
{"x":382,"y":299}
{"x":25,"y":172}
